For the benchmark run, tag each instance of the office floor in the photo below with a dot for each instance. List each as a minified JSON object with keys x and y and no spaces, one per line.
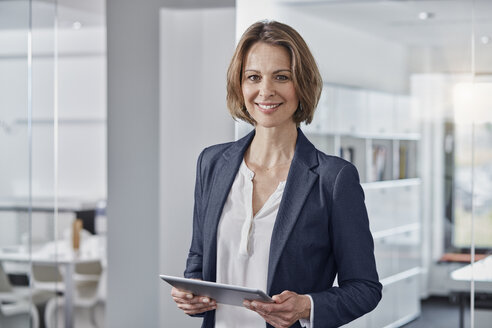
{"x":438,"y":312}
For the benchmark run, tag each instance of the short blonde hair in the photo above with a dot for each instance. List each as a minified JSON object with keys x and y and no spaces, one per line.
{"x":305,"y":74}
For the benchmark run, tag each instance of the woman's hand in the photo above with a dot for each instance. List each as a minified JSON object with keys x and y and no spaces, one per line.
{"x":192,"y":304}
{"x":287,"y":309}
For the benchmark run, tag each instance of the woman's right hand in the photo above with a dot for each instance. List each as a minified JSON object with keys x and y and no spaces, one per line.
{"x":192,"y":304}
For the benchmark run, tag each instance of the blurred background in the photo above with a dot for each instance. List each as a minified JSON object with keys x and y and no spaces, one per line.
{"x":105,"y":106}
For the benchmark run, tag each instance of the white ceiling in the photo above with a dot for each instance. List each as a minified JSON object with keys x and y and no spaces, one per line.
{"x":397,"y":20}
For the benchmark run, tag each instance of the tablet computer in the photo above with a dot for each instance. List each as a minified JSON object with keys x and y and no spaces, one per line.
{"x":221,"y":293}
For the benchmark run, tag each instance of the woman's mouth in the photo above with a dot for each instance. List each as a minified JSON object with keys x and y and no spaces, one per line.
{"x":268,"y":108}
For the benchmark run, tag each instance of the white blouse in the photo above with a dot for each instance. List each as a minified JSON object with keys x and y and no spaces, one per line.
{"x":243,"y":247}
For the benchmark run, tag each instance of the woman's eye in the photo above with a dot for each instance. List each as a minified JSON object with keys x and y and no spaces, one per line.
{"x":282,"y":77}
{"x":254,"y":78}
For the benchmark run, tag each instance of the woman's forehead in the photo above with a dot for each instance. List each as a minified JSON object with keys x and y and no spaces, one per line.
{"x":262,"y":54}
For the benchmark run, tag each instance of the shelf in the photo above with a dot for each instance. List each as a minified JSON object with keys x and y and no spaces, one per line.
{"x":62,"y":121}
{"x":391,"y":183}
{"x":400,"y":276}
{"x":383,"y":136}
{"x":394,"y":231}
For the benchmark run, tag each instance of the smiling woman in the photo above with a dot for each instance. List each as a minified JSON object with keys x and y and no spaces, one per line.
{"x":271,"y":211}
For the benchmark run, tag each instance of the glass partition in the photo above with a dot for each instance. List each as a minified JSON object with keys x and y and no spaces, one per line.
{"x":406,"y":98}
{"x":53,"y":167}
{"x":16,"y":307}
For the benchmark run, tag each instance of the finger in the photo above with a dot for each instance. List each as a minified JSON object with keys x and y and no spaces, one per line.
{"x":186,"y":300}
{"x":200,"y":310}
{"x":274,"y":321}
{"x":206,"y":300}
{"x":282,"y":297}
{"x":195,"y":300}
{"x":264,"y":308}
{"x":199,"y":307}
{"x":282,"y":310}
{"x":181,"y":293}
{"x":247,"y":304}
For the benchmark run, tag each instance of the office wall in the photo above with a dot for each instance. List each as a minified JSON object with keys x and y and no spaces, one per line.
{"x":195,"y":49}
{"x":133,"y":163}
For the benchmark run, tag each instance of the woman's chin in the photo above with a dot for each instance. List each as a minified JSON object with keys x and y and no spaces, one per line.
{"x":273,"y":124}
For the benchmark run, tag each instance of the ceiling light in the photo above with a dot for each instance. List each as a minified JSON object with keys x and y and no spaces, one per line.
{"x":485,"y":39}
{"x":424,"y":15}
{"x":77,"y":25}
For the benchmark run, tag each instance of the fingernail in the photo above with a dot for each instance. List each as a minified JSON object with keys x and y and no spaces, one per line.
{"x":189,"y":296}
{"x":205,"y":300}
{"x":253,"y":304}
{"x":246,"y":303}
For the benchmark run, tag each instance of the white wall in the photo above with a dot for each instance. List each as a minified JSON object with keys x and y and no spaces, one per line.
{"x":133,"y":163}
{"x":195,"y":49}
{"x":152,"y":150}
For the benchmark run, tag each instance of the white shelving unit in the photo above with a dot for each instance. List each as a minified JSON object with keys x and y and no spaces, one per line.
{"x":379,"y":133}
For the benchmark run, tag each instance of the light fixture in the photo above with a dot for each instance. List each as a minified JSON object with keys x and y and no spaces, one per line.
{"x":77,"y":25}
{"x":425,"y":15}
{"x":485,"y":39}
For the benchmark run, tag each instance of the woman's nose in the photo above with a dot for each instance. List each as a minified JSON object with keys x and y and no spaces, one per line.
{"x":266,"y":88}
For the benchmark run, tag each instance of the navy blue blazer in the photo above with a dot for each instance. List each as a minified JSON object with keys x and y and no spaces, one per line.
{"x":321,"y":230}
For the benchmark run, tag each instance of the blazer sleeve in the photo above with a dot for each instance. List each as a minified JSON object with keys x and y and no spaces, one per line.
{"x":194,"y":263}
{"x":359,"y":289}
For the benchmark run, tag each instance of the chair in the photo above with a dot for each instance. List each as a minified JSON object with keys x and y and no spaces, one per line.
{"x":89,"y":279}
{"x":15,"y":308}
{"x":46,"y":278}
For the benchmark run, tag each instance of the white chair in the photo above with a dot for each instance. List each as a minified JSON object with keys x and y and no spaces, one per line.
{"x":89,"y":282}
{"x":48,"y":277}
{"x":15,"y":309}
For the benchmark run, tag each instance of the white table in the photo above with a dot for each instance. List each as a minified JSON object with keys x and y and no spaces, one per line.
{"x":481,"y":271}
{"x":59,"y":254}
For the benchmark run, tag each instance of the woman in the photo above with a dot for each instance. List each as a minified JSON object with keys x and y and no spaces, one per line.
{"x":271,"y":211}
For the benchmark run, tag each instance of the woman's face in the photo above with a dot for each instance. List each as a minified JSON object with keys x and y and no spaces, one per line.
{"x":267,"y":86}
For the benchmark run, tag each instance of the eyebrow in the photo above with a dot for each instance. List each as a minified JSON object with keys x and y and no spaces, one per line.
{"x":274,"y":72}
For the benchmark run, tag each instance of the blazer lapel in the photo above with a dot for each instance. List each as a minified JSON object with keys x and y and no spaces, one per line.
{"x":300,"y":180}
{"x":226,"y":171}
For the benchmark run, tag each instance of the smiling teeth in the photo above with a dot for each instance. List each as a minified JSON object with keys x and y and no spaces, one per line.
{"x":268,"y":106}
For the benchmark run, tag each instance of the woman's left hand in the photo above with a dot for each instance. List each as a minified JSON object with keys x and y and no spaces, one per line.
{"x":287,"y":309}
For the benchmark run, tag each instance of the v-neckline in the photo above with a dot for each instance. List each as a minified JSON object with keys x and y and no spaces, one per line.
{"x":249,"y":174}
{"x":273,"y":197}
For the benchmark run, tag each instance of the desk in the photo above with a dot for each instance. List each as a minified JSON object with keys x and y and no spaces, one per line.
{"x":482,"y":275}
{"x":83,"y":209}
{"x":59,"y":254}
